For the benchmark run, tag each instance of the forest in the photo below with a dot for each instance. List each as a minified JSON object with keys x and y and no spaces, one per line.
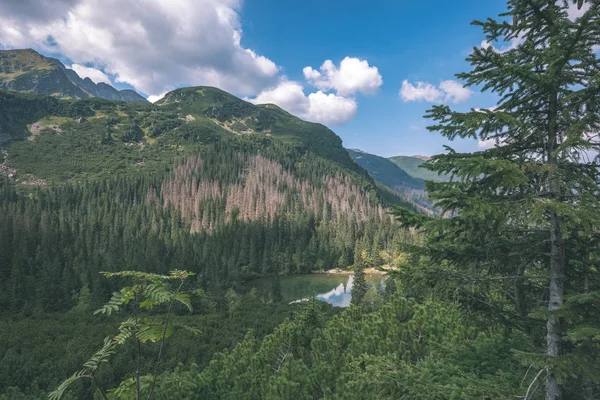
{"x":129,"y":232}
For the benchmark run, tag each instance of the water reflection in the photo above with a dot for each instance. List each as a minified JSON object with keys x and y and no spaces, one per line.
{"x":333,"y":289}
{"x":339,"y":296}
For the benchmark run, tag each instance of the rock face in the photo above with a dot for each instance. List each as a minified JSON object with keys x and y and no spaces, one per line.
{"x":28,"y":71}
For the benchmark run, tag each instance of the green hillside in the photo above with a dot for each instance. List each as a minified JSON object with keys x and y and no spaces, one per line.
{"x":412,"y":165}
{"x":208,"y":168}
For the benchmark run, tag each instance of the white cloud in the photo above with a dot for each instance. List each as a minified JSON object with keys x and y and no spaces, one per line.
{"x":153,"y":98}
{"x":455,"y":91}
{"x":94,"y":74}
{"x":150,"y":44}
{"x":447,"y":91}
{"x":329,"y":109}
{"x":287,"y":95}
{"x":158,"y":45}
{"x":421,"y":92}
{"x":352,"y":76}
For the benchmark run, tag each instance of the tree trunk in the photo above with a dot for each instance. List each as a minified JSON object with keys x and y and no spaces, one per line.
{"x":556,"y":270}
{"x":555,"y":301}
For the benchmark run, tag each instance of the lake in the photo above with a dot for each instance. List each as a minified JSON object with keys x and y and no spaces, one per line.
{"x":334,"y":289}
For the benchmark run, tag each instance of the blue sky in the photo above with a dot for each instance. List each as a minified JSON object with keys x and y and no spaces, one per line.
{"x":156,"y":46}
{"x":419,"y":41}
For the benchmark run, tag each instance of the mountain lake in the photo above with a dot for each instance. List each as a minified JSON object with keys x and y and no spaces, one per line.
{"x":334,"y":289}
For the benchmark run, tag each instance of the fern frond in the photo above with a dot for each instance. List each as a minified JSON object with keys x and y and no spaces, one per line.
{"x":138,"y":275}
{"x":178,"y":274}
{"x":102,"y":355}
{"x":188,"y":328}
{"x":124,"y":296}
{"x":58,"y":393}
{"x":126,"y":389}
{"x":155,"y":294}
{"x":151,"y":332}
{"x":184,"y":299}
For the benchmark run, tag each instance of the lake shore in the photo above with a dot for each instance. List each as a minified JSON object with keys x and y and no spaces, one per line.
{"x":368,"y":271}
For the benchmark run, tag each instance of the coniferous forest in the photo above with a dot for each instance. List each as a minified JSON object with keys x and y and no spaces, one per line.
{"x":132,"y":233}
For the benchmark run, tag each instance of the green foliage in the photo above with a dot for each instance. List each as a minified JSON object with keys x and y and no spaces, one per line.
{"x":38,"y":352}
{"x":147,"y":291}
{"x":359,"y":284}
{"x":403,"y":350}
{"x":520,"y":238}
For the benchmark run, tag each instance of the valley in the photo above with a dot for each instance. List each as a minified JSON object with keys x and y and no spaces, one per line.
{"x":192,"y":208}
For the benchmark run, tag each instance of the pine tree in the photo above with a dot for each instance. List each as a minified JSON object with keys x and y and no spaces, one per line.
{"x":516,"y":209}
{"x":359,"y":285}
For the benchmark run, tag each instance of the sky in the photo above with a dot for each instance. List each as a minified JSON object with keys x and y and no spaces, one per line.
{"x":367,"y":70}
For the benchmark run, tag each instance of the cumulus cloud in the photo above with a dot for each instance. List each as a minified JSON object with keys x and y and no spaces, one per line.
{"x":352,"y":76}
{"x":329,"y":109}
{"x":455,"y":91}
{"x":421,"y":92}
{"x":446,"y":91}
{"x":94,"y":74}
{"x":151,"y":45}
{"x":153,"y":98}
{"x":156,"y":46}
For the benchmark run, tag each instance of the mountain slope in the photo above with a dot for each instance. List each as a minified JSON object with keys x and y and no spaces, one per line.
{"x":385,"y":171}
{"x":63,"y":139}
{"x":202,"y":180}
{"x":28,"y":71}
{"x":393,"y":179}
{"x":412,"y":166}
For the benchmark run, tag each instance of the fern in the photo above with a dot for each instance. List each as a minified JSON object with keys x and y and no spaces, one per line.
{"x":184,"y":299}
{"x":58,"y":393}
{"x":118,"y":299}
{"x":146,"y":292}
{"x":102,"y":355}
{"x":90,"y":365}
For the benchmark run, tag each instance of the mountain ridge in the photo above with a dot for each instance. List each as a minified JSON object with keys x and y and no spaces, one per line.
{"x":33,"y":127}
{"x":26,"y":70}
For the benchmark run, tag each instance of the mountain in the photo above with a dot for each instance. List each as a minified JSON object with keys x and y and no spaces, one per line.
{"x":385,"y":171}
{"x":412,"y":165}
{"x":67,"y":138}
{"x":28,"y":71}
{"x":392,"y":178}
{"x":200,"y":180}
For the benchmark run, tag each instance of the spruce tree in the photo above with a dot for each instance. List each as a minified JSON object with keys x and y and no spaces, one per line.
{"x":516,"y":210}
{"x":359,"y":285}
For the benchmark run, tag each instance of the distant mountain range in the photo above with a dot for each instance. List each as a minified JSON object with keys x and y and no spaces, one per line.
{"x":385,"y":171}
{"x":390,"y":175}
{"x":412,"y":166}
{"x":28,"y":71}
